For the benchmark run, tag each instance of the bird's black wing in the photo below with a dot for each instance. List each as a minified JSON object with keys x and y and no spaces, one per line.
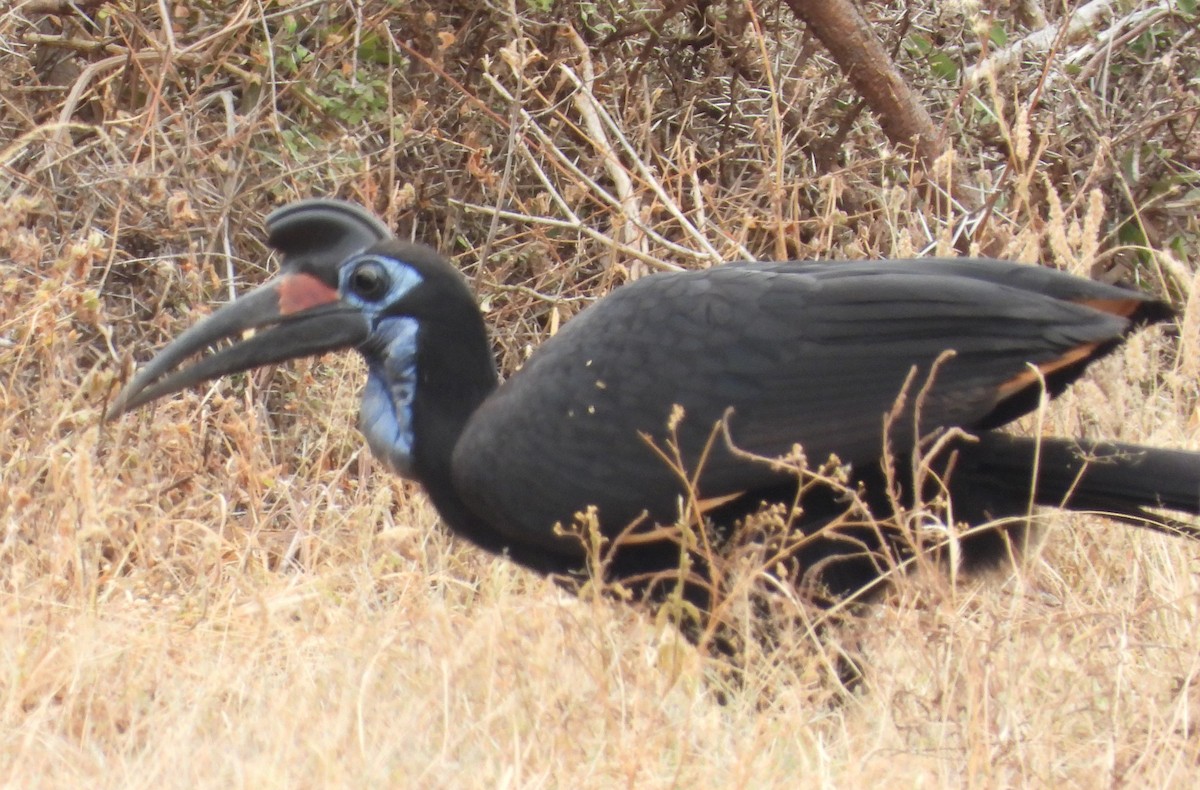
{"x":807,"y":353}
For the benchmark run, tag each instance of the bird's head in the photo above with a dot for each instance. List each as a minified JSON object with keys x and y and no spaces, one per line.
{"x":345,"y":282}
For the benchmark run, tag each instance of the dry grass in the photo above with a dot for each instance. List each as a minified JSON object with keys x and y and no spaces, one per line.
{"x":225,"y":590}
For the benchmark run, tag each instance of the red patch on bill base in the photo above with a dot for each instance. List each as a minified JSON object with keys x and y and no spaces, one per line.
{"x":298,"y":292}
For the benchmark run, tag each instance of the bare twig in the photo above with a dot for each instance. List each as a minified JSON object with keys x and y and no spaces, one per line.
{"x":1094,"y":54}
{"x":647,"y":176}
{"x":587,"y":106}
{"x":1077,"y":23}
{"x":864,"y":61}
{"x":56,"y":6}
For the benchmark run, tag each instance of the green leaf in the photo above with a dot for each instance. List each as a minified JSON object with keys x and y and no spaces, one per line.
{"x":997,"y":34}
{"x":1131,"y":233}
{"x":943,"y":66}
{"x":918,"y":45}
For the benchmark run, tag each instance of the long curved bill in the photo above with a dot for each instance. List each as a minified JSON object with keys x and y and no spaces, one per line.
{"x":302,"y":316}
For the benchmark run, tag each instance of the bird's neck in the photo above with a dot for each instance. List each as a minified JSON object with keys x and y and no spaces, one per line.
{"x":456,"y":373}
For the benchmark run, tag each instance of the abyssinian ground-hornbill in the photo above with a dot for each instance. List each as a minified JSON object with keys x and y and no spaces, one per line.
{"x":774,"y":354}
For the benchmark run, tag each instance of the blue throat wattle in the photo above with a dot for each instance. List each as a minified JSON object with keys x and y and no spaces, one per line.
{"x":386,"y":418}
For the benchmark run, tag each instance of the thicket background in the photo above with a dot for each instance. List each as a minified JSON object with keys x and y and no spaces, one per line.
{"x":226,"y":590}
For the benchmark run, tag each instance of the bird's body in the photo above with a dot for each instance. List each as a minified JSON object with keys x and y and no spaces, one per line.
{"x":814,"y":354}
{"x":660,"y":393}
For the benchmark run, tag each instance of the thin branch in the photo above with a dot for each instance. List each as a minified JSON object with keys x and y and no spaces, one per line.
{"x":56,"y":7}
{"x":861,"y":56}
{"x":1003,"y":60}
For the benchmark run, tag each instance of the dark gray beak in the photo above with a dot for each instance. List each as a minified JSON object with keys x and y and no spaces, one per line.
{"x":299,"y":313}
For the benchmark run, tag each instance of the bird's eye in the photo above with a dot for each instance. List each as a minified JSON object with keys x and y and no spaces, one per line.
{"x":369,"y":280}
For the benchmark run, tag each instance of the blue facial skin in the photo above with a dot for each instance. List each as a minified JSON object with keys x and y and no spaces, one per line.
{"x":385,"y":418}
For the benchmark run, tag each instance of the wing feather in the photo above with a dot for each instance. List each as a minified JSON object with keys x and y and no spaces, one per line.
{"x":805,"y":353}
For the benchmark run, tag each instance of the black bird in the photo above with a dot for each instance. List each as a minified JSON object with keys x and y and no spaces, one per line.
{"x":686,"y":375}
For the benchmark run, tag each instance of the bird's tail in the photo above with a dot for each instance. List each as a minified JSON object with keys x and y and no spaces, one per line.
{"x":1128,"y":482}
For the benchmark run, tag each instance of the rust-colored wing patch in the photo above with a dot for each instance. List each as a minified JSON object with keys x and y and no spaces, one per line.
{"x":1028,"y":378}
{"x":1124,"y":308}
